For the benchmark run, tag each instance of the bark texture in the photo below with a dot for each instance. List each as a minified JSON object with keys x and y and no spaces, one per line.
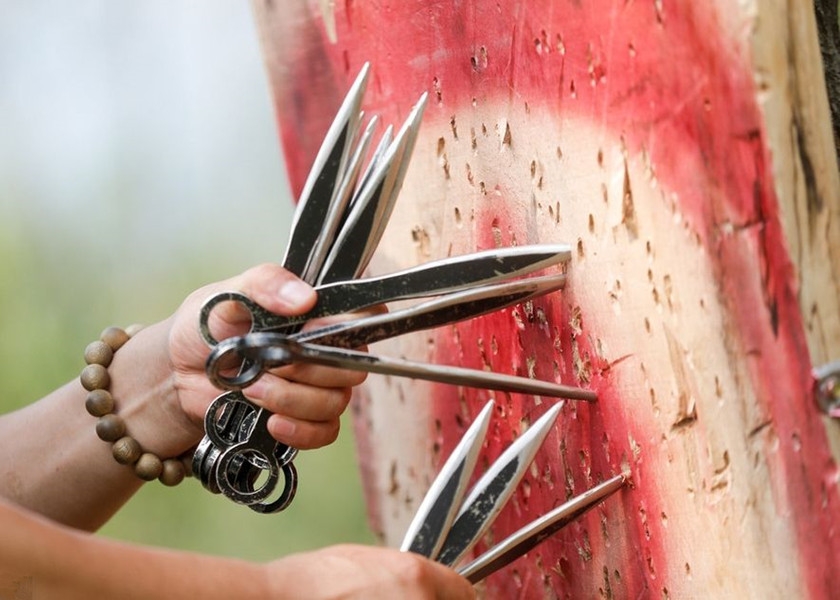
{"x":685,"y":151}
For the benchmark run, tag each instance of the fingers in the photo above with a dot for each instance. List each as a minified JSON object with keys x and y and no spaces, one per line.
{"x":305,"y":435}
{"x":321,"y":376}
{"x":369,"y":572}
{"x":307,"y":400}
{"x":305,"y":416}
{"x":270,"y":286}
{"x":297,"y":400}
{"x":276,"y":289}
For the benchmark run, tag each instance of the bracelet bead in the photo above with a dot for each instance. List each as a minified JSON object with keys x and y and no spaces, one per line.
{"x":115,"y":337}
{"x":126,"y":450}
{"x":99,"y":353}
{"x":110,"y":427}
{"x":99,"y":403}
{"x":148,"y":467}
{"x":173,"y":472}
{"x":95,"y":377}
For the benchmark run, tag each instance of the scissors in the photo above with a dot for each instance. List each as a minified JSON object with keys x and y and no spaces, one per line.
{"x":450,"y":519}
{"x":334,"y":233}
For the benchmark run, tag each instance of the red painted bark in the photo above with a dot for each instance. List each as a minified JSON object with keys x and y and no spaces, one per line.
{"x":669,"y":101}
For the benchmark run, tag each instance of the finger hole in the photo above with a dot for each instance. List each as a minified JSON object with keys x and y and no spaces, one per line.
{"x":224,"y":315}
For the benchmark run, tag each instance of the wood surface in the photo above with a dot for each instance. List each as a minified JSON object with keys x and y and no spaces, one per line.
{"x":684,"y":151}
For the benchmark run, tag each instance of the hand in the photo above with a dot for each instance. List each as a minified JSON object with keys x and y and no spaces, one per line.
{"x":306,"y":400}
{"x":350,"y":571}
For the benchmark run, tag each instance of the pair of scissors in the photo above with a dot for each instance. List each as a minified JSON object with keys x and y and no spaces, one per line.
{"x":341,"y":215}
{"x":450,"y":520}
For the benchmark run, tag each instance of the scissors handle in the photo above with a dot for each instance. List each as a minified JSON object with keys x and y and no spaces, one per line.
{"x":261,"y":319}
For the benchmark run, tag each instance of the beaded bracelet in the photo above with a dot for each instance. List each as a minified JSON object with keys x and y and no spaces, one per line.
{"x":111,"y":427}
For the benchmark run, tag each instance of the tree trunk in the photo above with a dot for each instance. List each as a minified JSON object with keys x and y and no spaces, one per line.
{"x":686,"y":154}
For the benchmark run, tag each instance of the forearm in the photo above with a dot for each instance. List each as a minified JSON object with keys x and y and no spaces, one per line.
{"x":53,"y":461}
{"x":56,"y":561}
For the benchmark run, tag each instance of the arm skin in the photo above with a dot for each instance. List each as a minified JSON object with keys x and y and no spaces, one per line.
{"x":58,"y":480}
{"x":40,"y":560}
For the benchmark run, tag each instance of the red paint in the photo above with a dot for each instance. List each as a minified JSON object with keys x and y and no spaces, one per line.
{"x":673,"y":87}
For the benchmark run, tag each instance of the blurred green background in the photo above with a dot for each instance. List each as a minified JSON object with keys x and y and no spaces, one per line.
{"x":138,"y":161}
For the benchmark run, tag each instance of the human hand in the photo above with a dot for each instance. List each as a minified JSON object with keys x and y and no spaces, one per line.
{"x":351,"y":571}
{"x":307,"y":400}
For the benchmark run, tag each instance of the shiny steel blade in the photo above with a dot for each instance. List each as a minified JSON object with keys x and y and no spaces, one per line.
{"x":324,"y":177}
{"x":445,"y":310}
{"x":526,"y":538}
{"x":493,"y":490}
{"x":375,"y":160}
{"x":394,"y":182}
{"x":363,"y":228}
{"x":337,"y":209}
{"x":274,"y":350}
{"x":436,"y":512}
{"x":431,"y":279}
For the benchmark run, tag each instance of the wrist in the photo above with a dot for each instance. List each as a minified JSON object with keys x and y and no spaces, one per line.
{"x":144,"y":388}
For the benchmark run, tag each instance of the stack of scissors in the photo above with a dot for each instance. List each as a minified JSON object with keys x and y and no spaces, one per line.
{"x":340,"y":218}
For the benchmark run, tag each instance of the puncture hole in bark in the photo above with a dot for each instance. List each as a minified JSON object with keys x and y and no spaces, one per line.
{"x":453,"y":126}
{"x":437,"y":91}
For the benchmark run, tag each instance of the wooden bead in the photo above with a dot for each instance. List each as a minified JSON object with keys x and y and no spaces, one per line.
{"x":126,"y":450}
{"x":173,"y":472}
{"x":95,"y":377}
{"x":115,"y":337}
{"x":148,"y":467}
{"x":99,"y":403}
{"x":98,"y":353}
{"x":110,"y":428}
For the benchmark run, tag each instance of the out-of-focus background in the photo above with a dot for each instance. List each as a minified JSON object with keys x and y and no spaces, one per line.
{"x":139,"y":160}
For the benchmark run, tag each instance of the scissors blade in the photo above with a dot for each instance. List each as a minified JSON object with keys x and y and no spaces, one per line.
{"x":436,"y":512}
{"x":445,"y":310}
{"x":526,"y":538}
{"x":338,"y":207}
{"x":493,"y":490}
{"x":375,"y":160}
{"x":429,"y":279}
{"x":325,"y":175}
{"x":393,"y":184}
{"x":274,"y":350}
{"x":363,"y":228}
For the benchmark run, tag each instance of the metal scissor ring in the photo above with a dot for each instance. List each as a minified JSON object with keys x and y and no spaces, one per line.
{"x":248,"y":373}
